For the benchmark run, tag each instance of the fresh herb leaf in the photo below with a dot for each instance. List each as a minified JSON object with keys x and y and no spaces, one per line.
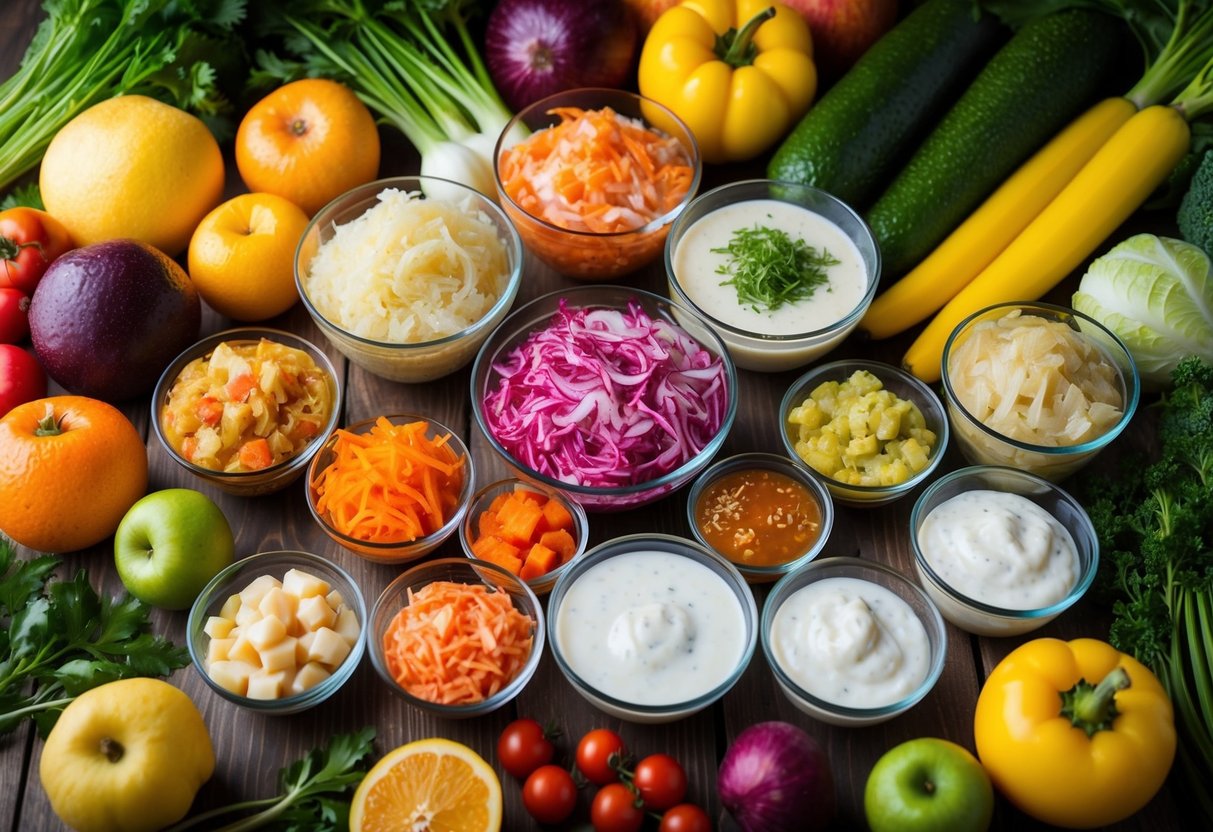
{"x":770,"y":269}
{"x":23,"y":196}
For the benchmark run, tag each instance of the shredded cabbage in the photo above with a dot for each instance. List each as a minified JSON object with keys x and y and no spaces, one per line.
{"x":606,"y":397}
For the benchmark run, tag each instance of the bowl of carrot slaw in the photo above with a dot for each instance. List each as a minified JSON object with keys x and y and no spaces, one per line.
{"x":594,"y":178}
{"x":456,"y":637}
{"x":391,"y":489}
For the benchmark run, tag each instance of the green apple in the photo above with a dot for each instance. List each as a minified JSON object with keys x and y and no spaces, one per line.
{"x":169,"y":544}
{"x":928,"y":784}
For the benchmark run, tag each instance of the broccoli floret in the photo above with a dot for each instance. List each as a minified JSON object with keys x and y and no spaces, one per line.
{"x":1196,"y":211}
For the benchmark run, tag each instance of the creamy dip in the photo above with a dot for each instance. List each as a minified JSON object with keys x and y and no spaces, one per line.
{"x":696,"y":265}
{"x":651,"y":628}
{"x":1001,"y":549}
{"x":851,"y":642}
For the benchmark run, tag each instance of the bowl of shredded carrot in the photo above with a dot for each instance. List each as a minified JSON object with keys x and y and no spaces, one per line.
{"x":456,"y":637}
{"x":391,"y":489}
{"x":594,"y":178}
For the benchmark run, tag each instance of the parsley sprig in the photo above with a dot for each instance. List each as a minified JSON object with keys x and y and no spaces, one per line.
{"x":59,"y":638}
{"x":769,"y":269}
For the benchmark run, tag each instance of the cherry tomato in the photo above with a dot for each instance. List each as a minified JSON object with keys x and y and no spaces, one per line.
{"x":21,"y":378}
{"x":661,"y":781}
{"x":549,"y":794}
{"x":14,"y":316}
{"x":595,"y":753}
{"x":30,"y":240}
{"x":614,"y":809}
{"x":685,"y":817}
{"x":523,"y":747}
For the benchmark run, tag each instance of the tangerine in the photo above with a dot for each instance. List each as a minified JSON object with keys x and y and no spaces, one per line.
{"x":70,"y":468}
{"x":309,"y":141}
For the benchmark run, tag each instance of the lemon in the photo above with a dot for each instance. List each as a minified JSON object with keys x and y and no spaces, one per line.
{"x":432,"y":784}
{"x":132,"y":167}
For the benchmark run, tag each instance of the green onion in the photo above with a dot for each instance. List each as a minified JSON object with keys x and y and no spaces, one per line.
{"x":769,"y":269}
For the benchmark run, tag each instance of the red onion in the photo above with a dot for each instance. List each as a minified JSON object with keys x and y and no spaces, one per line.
{"x":534,"y":48}
{"x":776,"y":778}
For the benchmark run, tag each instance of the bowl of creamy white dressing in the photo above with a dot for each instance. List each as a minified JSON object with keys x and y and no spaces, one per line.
{"x":1001,"y":551}
{"x":783,"y":272}
{"x":851,"y":641}
{"x":651,"y":628}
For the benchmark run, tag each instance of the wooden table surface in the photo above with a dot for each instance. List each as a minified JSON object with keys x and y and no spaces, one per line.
{"x":251,"y":748}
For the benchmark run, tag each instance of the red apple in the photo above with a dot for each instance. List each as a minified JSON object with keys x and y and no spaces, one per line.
{"x":646,"y":12}
{"x":843,"y":30}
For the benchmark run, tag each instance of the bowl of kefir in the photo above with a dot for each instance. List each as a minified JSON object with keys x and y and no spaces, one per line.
{"x":783,"y":272}
{"x":852,"y":642}
{"x":1001,"y":551}
{"x":651,"y":628}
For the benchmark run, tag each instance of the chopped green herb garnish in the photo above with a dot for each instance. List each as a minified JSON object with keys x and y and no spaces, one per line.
{"x":769,"y":268}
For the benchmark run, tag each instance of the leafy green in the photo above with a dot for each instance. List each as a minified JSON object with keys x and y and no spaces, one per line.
{"x":770,"y":269}
{"x":27,"y":196}
{"x":315,"y":791}
{"x":59,"y":638}
{"x":86,"y":51}
{"x":1195,"y":216}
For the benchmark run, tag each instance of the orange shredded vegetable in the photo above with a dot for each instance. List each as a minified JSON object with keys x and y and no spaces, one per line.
{"x":597,"y":171}
{"x":457,"y":644}
{"x":391,"y":484}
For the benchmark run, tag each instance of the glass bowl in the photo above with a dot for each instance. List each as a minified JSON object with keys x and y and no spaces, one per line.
{"x":414,"y":361}
{"x":983,"y":445}
{"x":586,"y":255}
{"x":904,"y":386}
{"x":470,"y":532}
{"x":988,"y":619}
{"x":795,"y":334}
{"x":536,"y":315}
{"x":613,"y":605}
{"x":929,"y":657}
{"x":235,"y":579}
{"x":812,"y":517}
{"x":275,"y":477}
{"x":398,"y":551}
{"x":466,"y":571}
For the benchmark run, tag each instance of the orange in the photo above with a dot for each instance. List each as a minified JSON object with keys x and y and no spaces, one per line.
{"x":70,"y":468}
{"x":432,"y":784}
{"x":242,"y":256}
{"x":308,"y":141}
{"x":132,"y":167}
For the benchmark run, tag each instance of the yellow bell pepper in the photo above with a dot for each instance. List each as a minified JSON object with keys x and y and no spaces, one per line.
{"x":1076,"y":734}
{"x":740,"y":73}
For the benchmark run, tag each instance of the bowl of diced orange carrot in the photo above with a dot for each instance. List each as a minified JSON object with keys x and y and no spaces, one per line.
{"x":593,"y":179}
{"x":531,"y":530}
{"x":391,"y":489}
{"x":456,"y":637}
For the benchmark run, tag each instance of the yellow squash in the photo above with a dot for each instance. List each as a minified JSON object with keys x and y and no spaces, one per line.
{"x":740,"y":73}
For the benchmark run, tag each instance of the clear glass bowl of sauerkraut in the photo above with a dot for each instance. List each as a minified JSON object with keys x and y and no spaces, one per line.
{"x":1037,"y":387}
{"x":246,"y":409}
{"x":407,"y":276}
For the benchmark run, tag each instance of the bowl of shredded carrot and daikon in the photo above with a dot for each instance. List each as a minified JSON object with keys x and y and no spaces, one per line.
{"x":593,"y":179}
{"x":391,"y":489}
{"x":456,"y":637}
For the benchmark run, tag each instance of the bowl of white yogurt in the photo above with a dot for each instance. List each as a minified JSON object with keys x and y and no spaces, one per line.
{"x":651,"y":627}
{"x":1001,"y":551}
{"x":852,"y":642}
{"x":783,"y":272}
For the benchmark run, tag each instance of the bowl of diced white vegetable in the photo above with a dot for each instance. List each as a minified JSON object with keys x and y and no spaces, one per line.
{"x":278,"y":632}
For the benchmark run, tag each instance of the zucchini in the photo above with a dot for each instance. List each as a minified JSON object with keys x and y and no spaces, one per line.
{"x":852,"y":140}
{"x":1050,"y":69}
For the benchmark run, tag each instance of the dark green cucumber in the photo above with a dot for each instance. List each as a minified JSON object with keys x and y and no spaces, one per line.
{"x":1045,"y":74}
{"x":852,"y":140}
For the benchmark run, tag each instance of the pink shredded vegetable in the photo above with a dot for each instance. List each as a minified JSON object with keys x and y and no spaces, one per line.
{"x":605,"y":397}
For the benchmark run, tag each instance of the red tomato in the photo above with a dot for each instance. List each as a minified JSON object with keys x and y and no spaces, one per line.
{"x":685,"y":817}
{"x":661,"y":781}
{"x":549,"y":794}
{"x":596,"y":753}
{"x":615,"y":809}
{"x":30,"y":240}
{"x":14,"y":316}
{"x":524,"y":747}
{"x":21,"y":378}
